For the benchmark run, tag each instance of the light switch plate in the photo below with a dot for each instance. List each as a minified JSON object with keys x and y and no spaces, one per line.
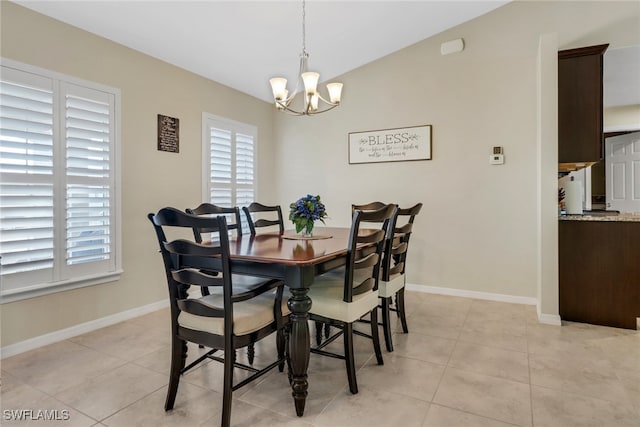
{"x":496,"y":159}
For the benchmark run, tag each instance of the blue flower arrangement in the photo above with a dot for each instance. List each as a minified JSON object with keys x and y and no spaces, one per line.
{"x":305,"y":211}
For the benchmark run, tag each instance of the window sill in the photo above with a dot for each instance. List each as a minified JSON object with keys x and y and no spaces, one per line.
{"x":51,"y":288}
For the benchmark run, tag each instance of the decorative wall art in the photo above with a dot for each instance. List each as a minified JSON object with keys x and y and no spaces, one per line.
{"x":390,"y":145}
{"x":168,"y":134}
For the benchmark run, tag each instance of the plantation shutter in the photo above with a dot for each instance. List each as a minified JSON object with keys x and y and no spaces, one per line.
{"x":88,"y":130}
{"x":57,"y":182}
{"x":231,"y":166}
{"x":245,"y":186}
{"x":26,"y":174}
{"x":221,"y":172}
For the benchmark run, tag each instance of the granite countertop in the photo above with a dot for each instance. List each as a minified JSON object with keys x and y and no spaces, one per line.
{"x":622,"y":217}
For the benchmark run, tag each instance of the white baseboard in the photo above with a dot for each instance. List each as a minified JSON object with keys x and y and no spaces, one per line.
{"x":83,"y":328}
{"x":472,"y":294}
{"x":550,"y":319}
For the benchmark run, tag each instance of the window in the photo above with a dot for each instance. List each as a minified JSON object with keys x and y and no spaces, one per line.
{"x":58,"y":193}
{"x":229,"y":161}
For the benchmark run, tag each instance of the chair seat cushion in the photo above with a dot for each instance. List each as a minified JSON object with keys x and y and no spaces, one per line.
{"x":326,"y":295}
{"x":385,"y":289}
{"x":248,"y":316}
{"x":389,"y":289}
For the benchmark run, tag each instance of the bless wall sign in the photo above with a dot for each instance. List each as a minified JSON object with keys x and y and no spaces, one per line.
{"x":390,"y":145}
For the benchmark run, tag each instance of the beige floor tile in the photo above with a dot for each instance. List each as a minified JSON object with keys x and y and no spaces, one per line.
{"x":499,"y":311}
{"x":408,"y":377}
{"x":59,"y":366}
{"x":440,"y":416}
{"x":247,"y":415}
{"x":274,"y":393}
{"x":372,"y":408}
{"x":472,"y":359}
{"x":511,"y":365}
{"x":193,"y":405}
{"x":594,"y":378}
{"x":211,"y":377}
{"x":160,"y":360}
{"x":126,"y":340}
{"x":490,"y":397}
{"x":22,"y":405}
{"x":552,"y":408}
{"x":631,"y":382}
{"x":493,"y":337}
{"x":621,"y":351}
{"x":550,"y":341}
{"x":436,"y":326}
{"x":441,"y":305}
{"x":106,"y":394}
{"x":421,"y":347}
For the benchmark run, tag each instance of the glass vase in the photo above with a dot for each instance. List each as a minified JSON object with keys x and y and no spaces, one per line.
{"x":307,"y":231}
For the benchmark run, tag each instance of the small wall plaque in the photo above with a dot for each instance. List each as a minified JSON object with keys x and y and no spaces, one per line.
{"x":390,"y":145}
{"x":168,"y":134}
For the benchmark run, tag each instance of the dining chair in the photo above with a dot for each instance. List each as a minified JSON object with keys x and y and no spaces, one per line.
{"x":215,"y":210}
{"x":234,"y":224}
{"x":392,"y":280}
{"x":393,"y":272}
{"x":209,"y":209}
{"x":344,"y":296}
{"x":222,"y":321}
{"x":274,"y":218}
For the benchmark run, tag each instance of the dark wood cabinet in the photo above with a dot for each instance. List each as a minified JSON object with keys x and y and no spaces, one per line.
{"x":580,"y":104}
{"x":599,"y":264}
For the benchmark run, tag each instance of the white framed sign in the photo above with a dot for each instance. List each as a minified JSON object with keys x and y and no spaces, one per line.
{"x":390,"y":145}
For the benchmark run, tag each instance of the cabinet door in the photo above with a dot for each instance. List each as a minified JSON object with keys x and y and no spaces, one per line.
{"x":580,"y":104}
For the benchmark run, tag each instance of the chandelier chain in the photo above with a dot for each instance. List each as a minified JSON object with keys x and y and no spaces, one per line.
{"x":304,"y":29}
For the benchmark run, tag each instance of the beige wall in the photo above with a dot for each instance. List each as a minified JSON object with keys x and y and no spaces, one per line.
{"x":483,"y":227}
{"x":151,"y":179}
{"x":627,"y":117}
{"x":479,"y":229}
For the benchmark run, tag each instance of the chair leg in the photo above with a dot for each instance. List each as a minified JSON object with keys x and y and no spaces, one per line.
{"x":386,"y":324}
{"x":349,"y":357}
{"x":178,"y":358}
{"x":280,"y":345}
{"x":251,"y":352}
{"x":376,"y":336}
{"x":327,"y":330}
{"x":401,"y":310}
{"x":319,"y":327}
{"x":229,"y":360}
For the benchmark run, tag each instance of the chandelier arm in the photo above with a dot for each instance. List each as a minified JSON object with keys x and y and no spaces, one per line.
{"x":335,"y":104}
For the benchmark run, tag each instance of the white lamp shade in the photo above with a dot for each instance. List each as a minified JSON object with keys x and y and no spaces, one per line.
{"x":279,"y":88}
{"x":335,"y":92}
{"x":314,"y":102}
{"x":310,"y":80}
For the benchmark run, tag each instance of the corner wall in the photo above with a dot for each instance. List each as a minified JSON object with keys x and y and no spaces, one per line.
{"x":480,"y":229}
{"x":151,"y":179}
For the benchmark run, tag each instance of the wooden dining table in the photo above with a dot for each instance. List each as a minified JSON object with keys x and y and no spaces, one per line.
{"x":297,"y":261}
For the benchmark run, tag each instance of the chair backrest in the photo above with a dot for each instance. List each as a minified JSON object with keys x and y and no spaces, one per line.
{"x":367,"y":207}
{"x":263,"y":222}
{"x":402,"y":233}
{"x":215,"y":210}
{"x":366,"y":261}
{"x":184,"y":259}
{"x":395,"y":252}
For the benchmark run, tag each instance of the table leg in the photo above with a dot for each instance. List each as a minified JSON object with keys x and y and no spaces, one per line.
{"x":299,"y":345}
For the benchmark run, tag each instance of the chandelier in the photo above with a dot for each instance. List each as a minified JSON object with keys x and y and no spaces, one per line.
{"x":309,"y":79}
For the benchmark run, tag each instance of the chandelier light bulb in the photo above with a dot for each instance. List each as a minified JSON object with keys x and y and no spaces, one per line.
{"x":335,"y":92}
{"x":279,"y":88}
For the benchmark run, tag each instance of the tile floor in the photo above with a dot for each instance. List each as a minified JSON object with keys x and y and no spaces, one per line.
{"x":465,"y":362}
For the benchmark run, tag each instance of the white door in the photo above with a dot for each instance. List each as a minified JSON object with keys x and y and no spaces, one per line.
{"x":622,"y":161}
